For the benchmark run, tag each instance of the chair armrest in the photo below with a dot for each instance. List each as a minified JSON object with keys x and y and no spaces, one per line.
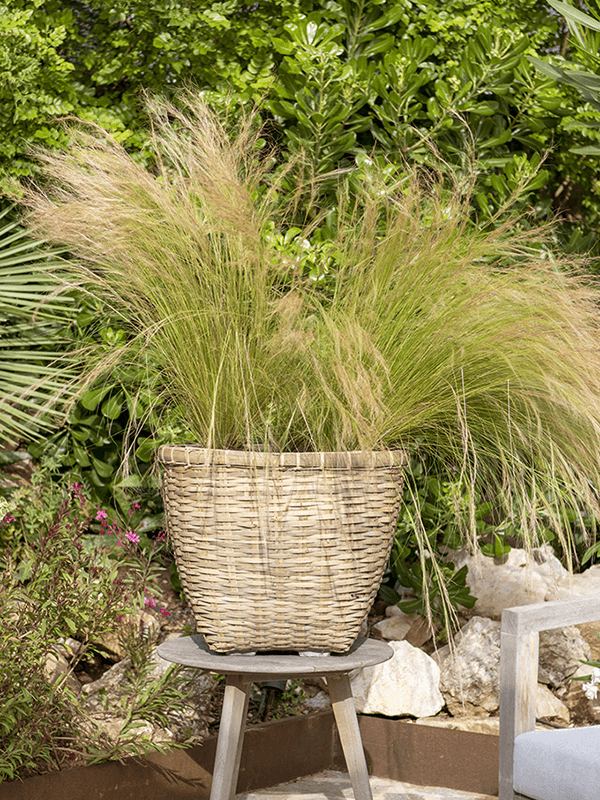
{"x":536,"y":617}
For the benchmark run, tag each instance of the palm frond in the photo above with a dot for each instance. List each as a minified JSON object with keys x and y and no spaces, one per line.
{"x":33,"y":309}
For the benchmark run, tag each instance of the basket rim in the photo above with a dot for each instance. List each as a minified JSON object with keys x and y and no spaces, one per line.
{"x":196,"y":455}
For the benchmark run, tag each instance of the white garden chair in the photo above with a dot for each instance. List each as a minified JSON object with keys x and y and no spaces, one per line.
{"x":542,"y":765}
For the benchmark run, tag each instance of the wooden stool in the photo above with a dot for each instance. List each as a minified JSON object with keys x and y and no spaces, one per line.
{"x":244,"y":670}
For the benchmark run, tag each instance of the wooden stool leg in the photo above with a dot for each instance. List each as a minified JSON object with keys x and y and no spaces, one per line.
{"x":347,"y":723}
{"x":231,"y":737}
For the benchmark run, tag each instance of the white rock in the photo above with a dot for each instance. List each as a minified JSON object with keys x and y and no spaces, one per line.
{"x":319,"y":701}
{"x":406,"y":684}
{"x":561,"y":653}
{"x":441,"y":654}
{"x":489,"y":725}
{"x":548,"y":566}
{"x":111,"y":642}
{"x":548,"y":705}
{"x":590,"y":631}
{"x":521,"y":578}
{"x":111,"y":680}
{"x":111,"y":728}
{"x":102,"y":699}
{"x":57,"y":666}
{"x":469,"y":677}
{"x":394,"y":628}
{"x":71,"y":647}
{"x":587,"y":582}
{"x":394,"y":611}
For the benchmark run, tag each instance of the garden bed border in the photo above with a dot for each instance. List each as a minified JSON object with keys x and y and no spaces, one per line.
{"x":279,"y":751}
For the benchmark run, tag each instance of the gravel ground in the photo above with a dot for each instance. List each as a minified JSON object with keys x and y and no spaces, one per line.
{"x":336,"y":786}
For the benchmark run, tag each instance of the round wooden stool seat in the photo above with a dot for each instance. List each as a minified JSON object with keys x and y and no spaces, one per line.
{"x":194,"y":652}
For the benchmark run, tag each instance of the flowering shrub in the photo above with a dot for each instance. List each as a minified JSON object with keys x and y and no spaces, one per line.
{"x":591,"y":682}
{"x":591,"y":689}
{"x":69,"y":582}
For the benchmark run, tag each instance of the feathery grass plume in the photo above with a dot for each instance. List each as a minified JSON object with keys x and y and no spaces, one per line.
{"x":473,"y":344}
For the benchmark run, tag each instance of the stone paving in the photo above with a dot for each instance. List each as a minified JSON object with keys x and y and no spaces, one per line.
{"x":332,"y":785}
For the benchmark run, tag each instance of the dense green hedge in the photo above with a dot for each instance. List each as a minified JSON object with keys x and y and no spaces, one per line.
{"x":339,"y":78}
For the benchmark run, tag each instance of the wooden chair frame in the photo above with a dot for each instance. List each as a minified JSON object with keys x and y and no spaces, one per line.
{"x":519,"y":654}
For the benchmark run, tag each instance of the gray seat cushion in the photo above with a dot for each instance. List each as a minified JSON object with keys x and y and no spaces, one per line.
{"x":558,"y":764}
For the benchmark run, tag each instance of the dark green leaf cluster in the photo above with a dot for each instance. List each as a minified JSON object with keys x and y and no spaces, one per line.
{"x":92,"y":59}
{"x":433,"y":519}
{"x":105,"y":441}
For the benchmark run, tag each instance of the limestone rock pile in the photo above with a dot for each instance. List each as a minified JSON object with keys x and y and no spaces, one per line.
{"x":458,"y":685}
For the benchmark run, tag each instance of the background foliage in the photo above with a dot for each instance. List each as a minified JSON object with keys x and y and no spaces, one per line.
{"x":339,"y":78}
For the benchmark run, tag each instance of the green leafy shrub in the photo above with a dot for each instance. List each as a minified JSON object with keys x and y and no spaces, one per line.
{"x":92,"y":59}
{"x":433,"y":518}
{"x":356,"y":80}
{"x":41,"y":328}
{"x":37,"y":85}
{"x":366,"y":74}
{"x":104,"y":440}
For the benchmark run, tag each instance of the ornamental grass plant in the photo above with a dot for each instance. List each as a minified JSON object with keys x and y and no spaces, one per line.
{"x":475,"y":345}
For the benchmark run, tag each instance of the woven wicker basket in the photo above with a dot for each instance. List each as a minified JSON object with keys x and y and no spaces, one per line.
{"x":280,"y":551}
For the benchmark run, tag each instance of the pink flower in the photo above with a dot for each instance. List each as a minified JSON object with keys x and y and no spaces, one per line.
{"x":164,"y":612}
{"x":133,"y":537}
{"x":161,"y":537}
{"x":101,"y":514}
{"x":149,"y":601}
{"x":77,"y":490}
{"x":133,"y":508}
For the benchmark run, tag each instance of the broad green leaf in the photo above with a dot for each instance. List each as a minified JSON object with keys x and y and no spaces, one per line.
{"x":389,"y":17}
{"x":145,"y":450}
{"x":111,"y":407}
{"x":81,"y":455}
{"x":388,"y":594}
{"x":496,"y":141}
{"x":547,"y":69}
{"x":92,"y":399}
{"x":485,"y":108}
{"x":103,"y":469}
{"x":586,"y":150}
{"x":412,"y":606}
{"x":574,"y":15}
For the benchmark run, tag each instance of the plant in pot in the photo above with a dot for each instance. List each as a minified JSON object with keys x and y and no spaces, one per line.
{"x":299,"y":397}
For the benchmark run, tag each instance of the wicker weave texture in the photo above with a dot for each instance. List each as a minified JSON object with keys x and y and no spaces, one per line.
{"x":280,"y":552}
